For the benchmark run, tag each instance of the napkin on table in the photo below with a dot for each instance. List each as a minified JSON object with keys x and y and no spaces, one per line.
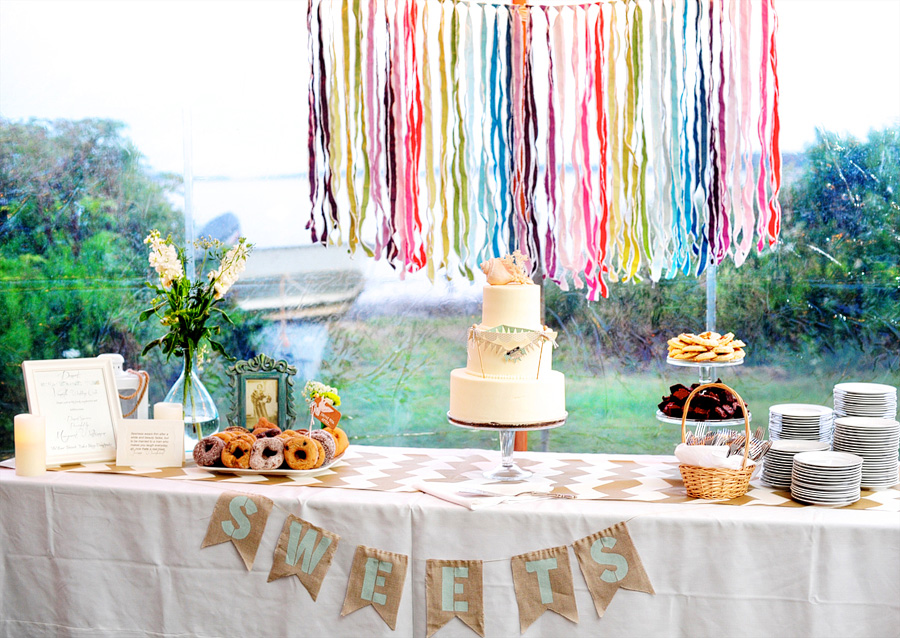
{"x":709,"y":456}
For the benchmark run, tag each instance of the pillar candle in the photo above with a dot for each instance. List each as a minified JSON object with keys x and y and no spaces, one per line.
{"x":30,"y":434}
{"x":169,"y":411}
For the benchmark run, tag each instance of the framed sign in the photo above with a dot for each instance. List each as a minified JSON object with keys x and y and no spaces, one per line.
{"x":262,"y":388}
{"x":78,"y":398}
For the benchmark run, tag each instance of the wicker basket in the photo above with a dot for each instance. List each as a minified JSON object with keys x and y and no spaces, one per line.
{"x":716,"y":482}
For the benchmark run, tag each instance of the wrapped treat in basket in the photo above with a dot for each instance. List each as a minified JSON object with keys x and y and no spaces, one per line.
{"x":717,"y":482}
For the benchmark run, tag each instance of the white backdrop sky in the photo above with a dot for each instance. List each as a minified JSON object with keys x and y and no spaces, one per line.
{"x":142,"y":61}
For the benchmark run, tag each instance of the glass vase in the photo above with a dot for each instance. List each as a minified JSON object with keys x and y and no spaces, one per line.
{"x":201,"y":418}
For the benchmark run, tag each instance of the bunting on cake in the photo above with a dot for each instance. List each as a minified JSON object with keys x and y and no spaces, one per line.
{"x":513,"y":343}
{"x":612,"y":141}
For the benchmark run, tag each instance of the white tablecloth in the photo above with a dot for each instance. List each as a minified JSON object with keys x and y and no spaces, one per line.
{"x":117,"y":555}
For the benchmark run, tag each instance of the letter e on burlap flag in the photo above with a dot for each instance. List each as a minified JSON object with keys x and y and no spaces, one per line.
{"x":304,"y":550}
{"x":454,"y":588}
{"x":609,"y":560}
{"x":241,"y":519}
{"x":376,"y":578}
{"x":543,"y":580}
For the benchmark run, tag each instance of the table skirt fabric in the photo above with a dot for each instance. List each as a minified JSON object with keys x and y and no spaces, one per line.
{"x":116,"y":555}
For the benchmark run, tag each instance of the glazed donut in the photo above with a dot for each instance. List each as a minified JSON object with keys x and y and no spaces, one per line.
{"x":267,"y":454}
{"x":301,"y":453}
{"x":327,"y":441}
{"x":237,"y":428}
{"x":321,"y":451}
{"x":236,"y":454}
{"x":208,"y":451}
{"x":341,"y":439}
{"x":225,"y":436}
{"x":260,"y":433}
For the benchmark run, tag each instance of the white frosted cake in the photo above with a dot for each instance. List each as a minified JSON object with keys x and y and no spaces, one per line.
{"x":509,"y":379}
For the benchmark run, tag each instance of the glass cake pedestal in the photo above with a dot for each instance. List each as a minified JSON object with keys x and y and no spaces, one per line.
{"x":507,"y":471}
{"x":705,"y":372}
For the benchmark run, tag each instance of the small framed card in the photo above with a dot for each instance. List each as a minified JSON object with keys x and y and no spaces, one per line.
{"x":151,"y":443}
{"x":79,"y":400}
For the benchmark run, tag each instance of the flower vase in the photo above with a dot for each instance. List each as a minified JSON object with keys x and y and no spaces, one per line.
{"x":201,"y":418}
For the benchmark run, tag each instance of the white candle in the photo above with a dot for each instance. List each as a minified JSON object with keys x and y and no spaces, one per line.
{"x":30,"y":434}
{"x":168,"y":411}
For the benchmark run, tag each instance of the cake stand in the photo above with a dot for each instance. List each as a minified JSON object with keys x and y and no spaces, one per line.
{"x":705,"y":368}
{"x":705,"y":371}
{"x":508,"y":470}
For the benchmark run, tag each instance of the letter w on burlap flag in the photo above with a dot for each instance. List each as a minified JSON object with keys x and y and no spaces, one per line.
{"x":304,"y":550}
{"x":543,"y":580}
{"x":454,"y":588}
{"x":376,"y":578}
{"x":241,"y":519}
{"x":609,"y":560}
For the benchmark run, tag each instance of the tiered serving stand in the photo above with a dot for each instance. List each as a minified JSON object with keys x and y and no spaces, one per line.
{"x":507,"y":471}
{"x":705,"y":372}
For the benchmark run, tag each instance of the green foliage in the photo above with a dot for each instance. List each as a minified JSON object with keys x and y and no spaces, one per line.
{"x":830,"y":287}
{"x":76,"y":202}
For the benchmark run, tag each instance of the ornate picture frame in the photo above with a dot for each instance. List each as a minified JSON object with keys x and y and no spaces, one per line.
{"x":262,"y":387}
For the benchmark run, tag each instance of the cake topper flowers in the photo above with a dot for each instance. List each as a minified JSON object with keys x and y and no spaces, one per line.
{"x":507,"y":270}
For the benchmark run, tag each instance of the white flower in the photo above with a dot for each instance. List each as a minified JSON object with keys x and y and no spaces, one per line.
{"x":233,"y":264}
{"x":164,"y":259}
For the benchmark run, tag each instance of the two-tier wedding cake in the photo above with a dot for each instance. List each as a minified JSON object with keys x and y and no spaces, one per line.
{"x":509,"y":379}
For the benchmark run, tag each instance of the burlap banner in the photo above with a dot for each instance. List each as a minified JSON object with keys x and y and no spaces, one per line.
{"x":305,"y":551}
{"x":543,"y":581}
{"x":609,"y":560}
{"x":241,"y":519}
{"x":376,"y":578}
{"x":454,"y":588}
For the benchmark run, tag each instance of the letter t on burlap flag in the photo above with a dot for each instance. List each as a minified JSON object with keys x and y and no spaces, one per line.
{"x":454,"y":588}
{"x":609,"y":560}
{"x":543,"y":580}
{"x":241,"y":519}
{"x":303,"y":550}
{"x":376,"y":578}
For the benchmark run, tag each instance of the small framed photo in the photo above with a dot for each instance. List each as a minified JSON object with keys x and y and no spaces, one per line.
{"x":262,"y":388}
{"x":79,"y":400}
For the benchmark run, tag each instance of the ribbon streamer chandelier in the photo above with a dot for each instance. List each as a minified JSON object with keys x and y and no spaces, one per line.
{"x":609,"y":141}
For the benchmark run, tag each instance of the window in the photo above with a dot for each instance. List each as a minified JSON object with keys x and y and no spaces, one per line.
{"x":123,"y":92}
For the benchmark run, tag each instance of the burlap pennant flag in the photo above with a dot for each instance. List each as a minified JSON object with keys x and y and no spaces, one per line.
{"x":454,"y":588}
{"x":241,"y":519}
{"x":609,"y":560}
{"x":543,"y":580}
{"x":376,"y":578}
{"x":303,"y":550}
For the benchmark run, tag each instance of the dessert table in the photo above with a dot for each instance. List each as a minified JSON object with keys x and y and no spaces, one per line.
{"x":112,"y":554}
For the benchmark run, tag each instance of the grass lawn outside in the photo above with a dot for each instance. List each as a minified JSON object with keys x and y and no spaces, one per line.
{"x":394,"y":377}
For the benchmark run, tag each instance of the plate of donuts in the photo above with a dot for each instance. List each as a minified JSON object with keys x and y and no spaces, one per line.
{"x":273,"y":452}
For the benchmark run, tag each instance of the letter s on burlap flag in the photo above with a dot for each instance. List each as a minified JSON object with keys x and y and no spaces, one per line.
{"x":241,"y":519}
{"x":376,"y":578}
{"x":543,"y":580}
{"x":303,"y":550}
{"x":609,"y":560}
{"x":454,"y":588}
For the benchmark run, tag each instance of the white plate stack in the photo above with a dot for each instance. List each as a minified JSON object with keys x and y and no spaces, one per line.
{"x":779,"y":461}
{"x":826,"y":478}
{"x":876,"y":441}
{"x":874,"y":400}
{"x":801,"y":421}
